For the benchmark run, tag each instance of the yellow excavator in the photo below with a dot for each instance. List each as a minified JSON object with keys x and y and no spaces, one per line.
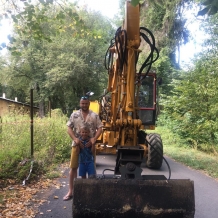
{"x":127,"y":109}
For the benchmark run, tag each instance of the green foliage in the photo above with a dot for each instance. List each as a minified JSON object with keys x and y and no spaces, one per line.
{"x":193,"y":103}
{"x":30,"y":19}
{"x":51,"y":144}
{"x":210,"y":7}
{"x":66,"y":67}
{"x":136,"y":2}
{"x":191,"y":108}
{"x":167,"y":20}
{"x":165,"y":70}
{"x":176,"y":147}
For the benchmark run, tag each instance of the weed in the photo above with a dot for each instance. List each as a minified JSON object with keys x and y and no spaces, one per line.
{"x":192,"y":156}
{"x":51,"y":144}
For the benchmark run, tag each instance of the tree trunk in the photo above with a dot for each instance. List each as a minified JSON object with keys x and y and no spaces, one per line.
{"x":41,"y":109}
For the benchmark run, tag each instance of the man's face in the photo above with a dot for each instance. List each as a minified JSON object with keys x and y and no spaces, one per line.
{"x":84,"y":104}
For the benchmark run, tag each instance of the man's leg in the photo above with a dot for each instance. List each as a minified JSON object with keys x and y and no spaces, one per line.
{"x":72,"y":173}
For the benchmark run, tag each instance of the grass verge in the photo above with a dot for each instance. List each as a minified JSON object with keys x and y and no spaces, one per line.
{"x":176,"y":148}
{"x":51,"y":145}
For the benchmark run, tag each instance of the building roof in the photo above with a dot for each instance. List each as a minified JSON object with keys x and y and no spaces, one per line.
{"x":17,"y":102}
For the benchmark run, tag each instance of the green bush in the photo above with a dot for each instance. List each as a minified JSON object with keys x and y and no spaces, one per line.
{"x":198,"y":138}
{"x":51,"y":144}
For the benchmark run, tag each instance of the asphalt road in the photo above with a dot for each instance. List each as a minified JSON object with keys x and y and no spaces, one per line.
{"x":206,"y":189}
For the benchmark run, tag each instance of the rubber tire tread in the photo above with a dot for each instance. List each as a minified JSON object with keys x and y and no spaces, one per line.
{"x":154,"y":160}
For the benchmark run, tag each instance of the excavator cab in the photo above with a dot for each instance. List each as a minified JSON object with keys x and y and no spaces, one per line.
{"x":147,"y":102}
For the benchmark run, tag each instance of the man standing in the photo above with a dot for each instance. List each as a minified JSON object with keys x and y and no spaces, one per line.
{"x":82,"y":117}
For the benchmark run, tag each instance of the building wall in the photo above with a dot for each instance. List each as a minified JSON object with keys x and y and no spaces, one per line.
{"x":7,"y":105}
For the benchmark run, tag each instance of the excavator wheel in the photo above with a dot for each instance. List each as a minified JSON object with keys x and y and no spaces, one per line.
{"x":155,"y":151}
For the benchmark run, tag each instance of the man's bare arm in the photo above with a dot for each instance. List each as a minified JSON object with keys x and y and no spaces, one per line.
{"x":93,"y":149}
{"x":97,"y":134}
{"x":72,"y":135}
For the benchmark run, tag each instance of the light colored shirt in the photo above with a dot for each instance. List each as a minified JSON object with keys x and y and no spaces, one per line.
{"x":92,"y":121}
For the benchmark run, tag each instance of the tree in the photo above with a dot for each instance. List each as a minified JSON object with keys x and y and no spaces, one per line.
{"x":210,"y":7}
{"x":34,"y":15}
{"x":67,"y":66}
{"x":194,"y":102}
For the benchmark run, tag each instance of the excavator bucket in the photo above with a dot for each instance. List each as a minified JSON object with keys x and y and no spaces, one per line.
{"x":108,"y":198}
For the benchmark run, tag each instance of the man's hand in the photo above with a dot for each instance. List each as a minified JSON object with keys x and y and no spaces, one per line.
{"x":93,"y":140}
{"x":77,"y":141}
{"x":90,"y":142}
{"x":81,"y":145}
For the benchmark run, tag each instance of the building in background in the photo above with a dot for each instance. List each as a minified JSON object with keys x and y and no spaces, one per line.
{"x":10,"y":106}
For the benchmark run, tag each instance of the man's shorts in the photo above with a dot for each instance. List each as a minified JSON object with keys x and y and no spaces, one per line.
{"x":74,"y":159}
{"x":87,"y":168}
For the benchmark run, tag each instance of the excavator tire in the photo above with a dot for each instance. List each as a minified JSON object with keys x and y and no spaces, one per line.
{"x":155,"y":151}
{"x":128,"y":198}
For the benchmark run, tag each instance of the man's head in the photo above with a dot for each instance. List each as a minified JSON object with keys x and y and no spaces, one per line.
{"x":84,"y":103}
{"x":84,"y":132}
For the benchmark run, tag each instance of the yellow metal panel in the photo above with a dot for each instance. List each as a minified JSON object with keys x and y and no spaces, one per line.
{"x":131,"y":24}
{"x":94,"y":106}
{"x":111,"y":138}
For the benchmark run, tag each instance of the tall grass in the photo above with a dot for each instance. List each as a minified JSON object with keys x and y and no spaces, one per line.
{"x":51,"y":143}
{"x":178,"y":149}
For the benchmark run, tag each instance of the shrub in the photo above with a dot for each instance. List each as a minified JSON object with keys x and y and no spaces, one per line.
{"x":51,"y":144}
